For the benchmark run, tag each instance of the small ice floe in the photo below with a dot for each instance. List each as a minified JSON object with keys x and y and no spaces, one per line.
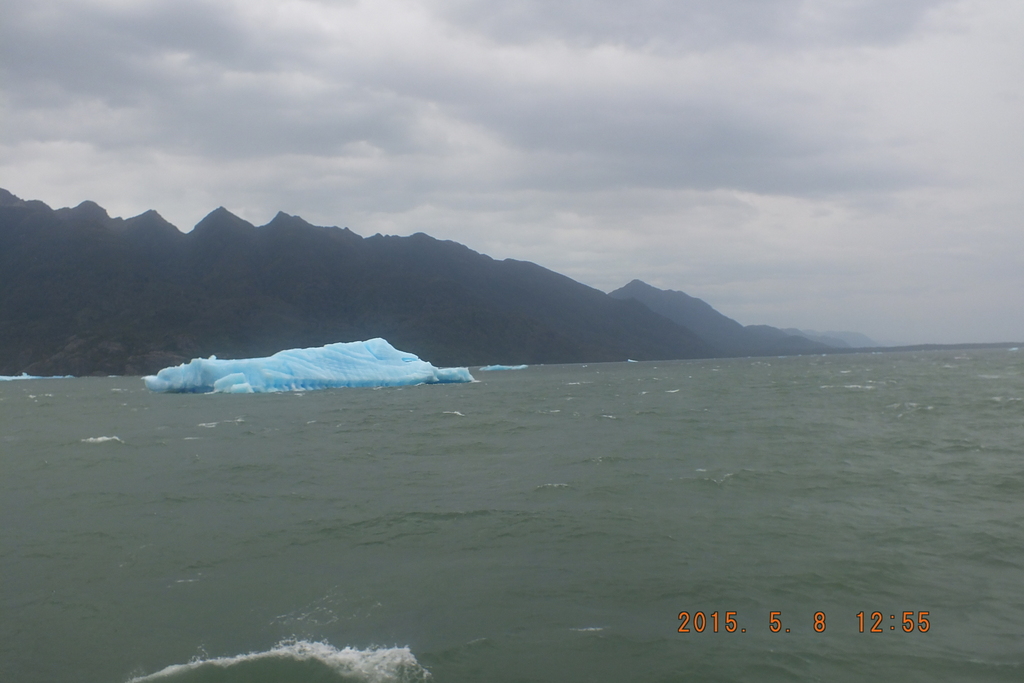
{"x":102,"y":439}
{"x":492,"y":368}
{"x":672,"y":391}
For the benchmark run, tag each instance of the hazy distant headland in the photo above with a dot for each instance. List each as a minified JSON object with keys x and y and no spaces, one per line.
{"x":82,"y":293}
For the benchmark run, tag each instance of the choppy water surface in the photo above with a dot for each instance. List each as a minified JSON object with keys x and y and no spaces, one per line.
{"x":546,"y":524}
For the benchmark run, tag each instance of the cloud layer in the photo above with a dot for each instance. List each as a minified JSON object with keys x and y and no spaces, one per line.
{"x":828,"y":164}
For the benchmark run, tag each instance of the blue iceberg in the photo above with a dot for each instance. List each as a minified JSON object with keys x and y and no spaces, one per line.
{"x":24,"y":375}
{"x":489,"y":368}
{"x":373,"y":363}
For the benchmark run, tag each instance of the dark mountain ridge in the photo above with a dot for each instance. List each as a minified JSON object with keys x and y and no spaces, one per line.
{"x":83,"y":293}
{"x":725,"y":335}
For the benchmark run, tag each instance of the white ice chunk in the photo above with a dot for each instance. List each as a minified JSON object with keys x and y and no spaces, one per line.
{"x":373,"y":363}
{"x":489,"y":368}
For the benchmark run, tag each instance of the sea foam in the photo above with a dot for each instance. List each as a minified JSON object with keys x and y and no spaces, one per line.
{"x":301,"y":660}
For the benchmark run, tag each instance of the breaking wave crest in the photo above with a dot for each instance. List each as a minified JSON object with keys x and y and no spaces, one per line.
{"x":299,"y":661}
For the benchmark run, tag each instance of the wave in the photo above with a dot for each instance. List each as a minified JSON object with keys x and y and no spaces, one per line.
{"x":300,"y":661}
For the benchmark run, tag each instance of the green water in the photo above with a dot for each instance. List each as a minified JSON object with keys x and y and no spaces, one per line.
{"x":547,"y":524}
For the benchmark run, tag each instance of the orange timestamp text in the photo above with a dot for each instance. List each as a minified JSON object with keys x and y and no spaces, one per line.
{"x":728,"y":622}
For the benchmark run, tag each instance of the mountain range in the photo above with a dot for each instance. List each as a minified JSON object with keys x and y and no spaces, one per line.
{"x":82,"y":293}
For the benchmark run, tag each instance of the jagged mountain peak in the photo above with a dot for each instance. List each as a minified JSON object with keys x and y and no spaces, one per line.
{"x":9,"y":199}
{"x":220,"y":220}
{"x":88,"y":212}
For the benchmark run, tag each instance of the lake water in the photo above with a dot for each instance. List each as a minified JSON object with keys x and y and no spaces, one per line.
{"x":546,"y":524}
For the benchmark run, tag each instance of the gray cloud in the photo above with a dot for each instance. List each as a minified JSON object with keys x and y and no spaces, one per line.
{"x":692,"y":24}
{"x":204,"y":81}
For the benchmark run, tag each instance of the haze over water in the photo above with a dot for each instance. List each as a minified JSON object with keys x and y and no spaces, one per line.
{"x":547,"y":524}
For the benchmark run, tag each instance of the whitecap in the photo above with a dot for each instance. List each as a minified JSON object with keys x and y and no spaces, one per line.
{"x":374,"y":665}
{"x":102,"y":439}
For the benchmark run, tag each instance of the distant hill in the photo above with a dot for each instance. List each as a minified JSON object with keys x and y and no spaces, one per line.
{"x":83,"y":293}
{"x":725,"y":335}
{"x":853,"y":340}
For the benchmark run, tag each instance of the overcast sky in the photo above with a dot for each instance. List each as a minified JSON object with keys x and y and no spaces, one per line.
{"x":825,"y":164}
